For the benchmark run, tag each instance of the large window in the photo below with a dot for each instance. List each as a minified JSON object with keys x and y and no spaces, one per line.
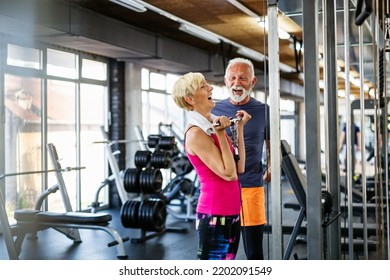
{"x":156,"y":98}
{"x":158,"y":105}
{"x":22,"y":100}
{"x":61,"y":131}
{"x":288,"y":122}
{"x":63,"y":102}
{"x":93,"y":115}
{"x":24,"y":57}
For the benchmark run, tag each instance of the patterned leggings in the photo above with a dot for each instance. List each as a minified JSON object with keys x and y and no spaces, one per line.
{"x":219,"y":236}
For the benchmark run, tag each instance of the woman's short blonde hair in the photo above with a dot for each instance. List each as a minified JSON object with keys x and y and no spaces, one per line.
{"x":186,"y":86}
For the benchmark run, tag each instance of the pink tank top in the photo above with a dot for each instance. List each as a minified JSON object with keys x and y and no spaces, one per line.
{"x":217,"y":196}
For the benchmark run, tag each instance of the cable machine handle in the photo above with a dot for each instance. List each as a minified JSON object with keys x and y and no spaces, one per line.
{"x":363,"y":11}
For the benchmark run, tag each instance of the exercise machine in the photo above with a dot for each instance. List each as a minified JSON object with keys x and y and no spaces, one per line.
{"x":297,"y":181}
{"x":68,"y":223}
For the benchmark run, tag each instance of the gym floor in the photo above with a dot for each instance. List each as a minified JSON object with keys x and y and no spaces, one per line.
{"x":173,"y":244}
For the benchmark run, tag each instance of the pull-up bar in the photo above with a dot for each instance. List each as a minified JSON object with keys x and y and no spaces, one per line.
{"x":66,"y":169}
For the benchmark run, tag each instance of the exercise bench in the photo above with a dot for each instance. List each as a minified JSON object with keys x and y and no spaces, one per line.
{"x":31,"y":221}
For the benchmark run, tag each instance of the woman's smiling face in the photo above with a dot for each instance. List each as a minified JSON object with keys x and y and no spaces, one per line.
{"x":203,"y":97}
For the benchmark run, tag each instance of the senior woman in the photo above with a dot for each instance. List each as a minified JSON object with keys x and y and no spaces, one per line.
{"x":211,"y":152}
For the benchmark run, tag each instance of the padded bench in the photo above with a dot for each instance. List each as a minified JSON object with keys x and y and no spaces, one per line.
{"x":31,"y":221}
{"x":25,"y":215}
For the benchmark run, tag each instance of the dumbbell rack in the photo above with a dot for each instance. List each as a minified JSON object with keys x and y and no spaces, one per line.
{"x":181,"y":166}
{"x":146,"y":179}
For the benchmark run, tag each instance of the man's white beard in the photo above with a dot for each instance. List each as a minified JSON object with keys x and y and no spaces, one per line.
{"x":238,"y":98}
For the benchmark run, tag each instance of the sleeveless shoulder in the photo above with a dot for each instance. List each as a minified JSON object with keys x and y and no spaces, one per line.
{"x":185,"y":133}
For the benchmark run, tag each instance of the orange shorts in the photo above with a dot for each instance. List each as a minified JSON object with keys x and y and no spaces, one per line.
{"x":253,"y":206}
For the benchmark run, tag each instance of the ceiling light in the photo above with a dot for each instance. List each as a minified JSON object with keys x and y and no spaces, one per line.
{"x":182,"y":21}
{"x":251,"y":54}
{"x":200,"y":33}
{"x":287,"y":68}
{"x":284,"y":35}
{"x":261,"y":20}
{"x":244,"y":9}
{"x":130,"y":4}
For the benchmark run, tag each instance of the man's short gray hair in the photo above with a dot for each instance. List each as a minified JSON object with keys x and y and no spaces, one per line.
{"x":240,"y":60}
